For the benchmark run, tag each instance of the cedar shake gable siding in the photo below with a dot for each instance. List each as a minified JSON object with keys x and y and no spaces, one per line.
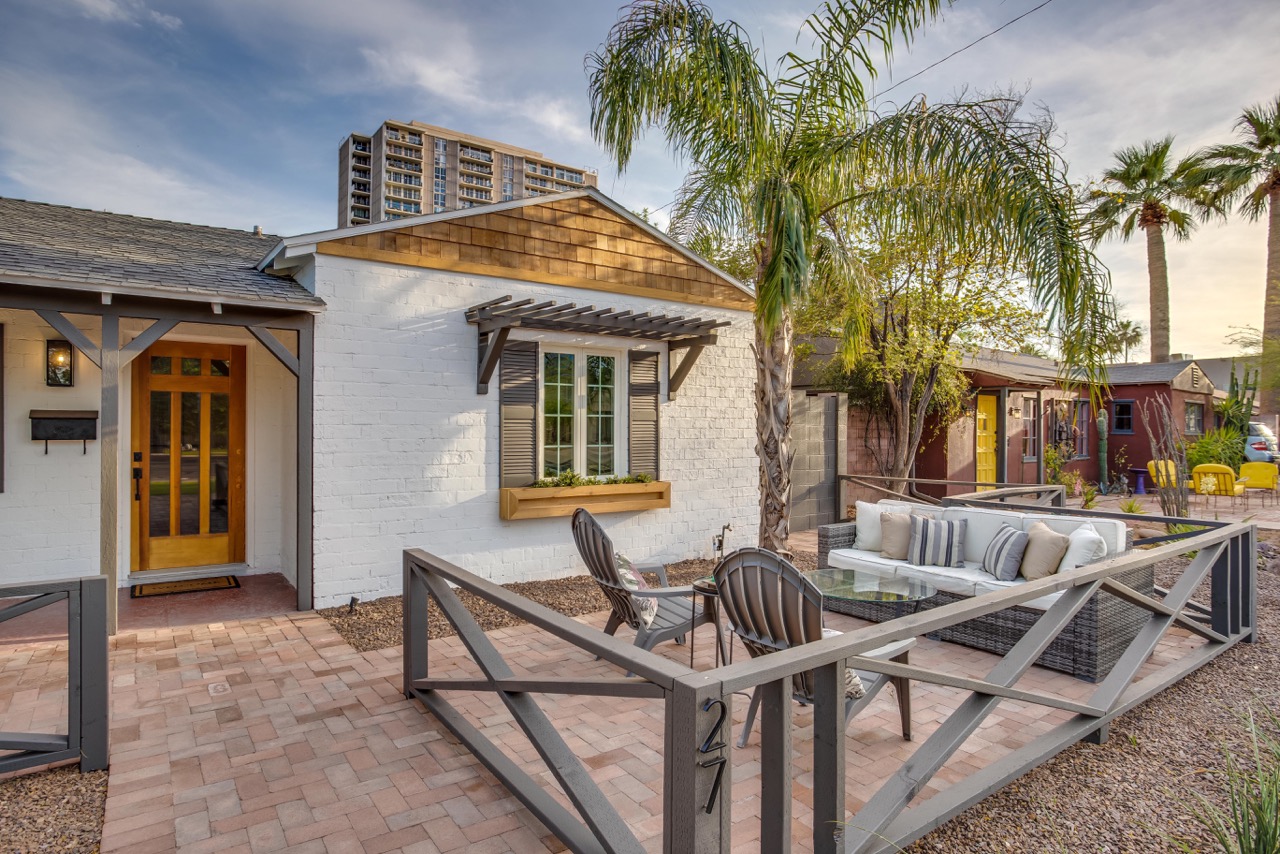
{"x":575,"y":240}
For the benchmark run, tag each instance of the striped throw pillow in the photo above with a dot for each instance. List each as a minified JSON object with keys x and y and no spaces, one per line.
{"x":937,"y":543}
{"x":1004,"y":556}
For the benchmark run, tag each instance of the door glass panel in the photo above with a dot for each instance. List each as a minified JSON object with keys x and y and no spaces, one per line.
{"x":191,"y":367}
{"x":219,"y":442}
{"x":220,"y":367}
{"x":161,"y":365}
{"x":158,"y":511}
{"x":189,"y":515}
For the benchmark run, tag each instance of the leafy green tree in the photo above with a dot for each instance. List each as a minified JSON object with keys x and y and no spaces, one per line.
{"x":773,"y":151}
{"x":1249,"y":171}
{"x":931,"y":305}
{"x":1140,"y":191}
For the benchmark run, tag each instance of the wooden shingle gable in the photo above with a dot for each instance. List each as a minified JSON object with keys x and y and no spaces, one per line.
{"x":576,"y":242}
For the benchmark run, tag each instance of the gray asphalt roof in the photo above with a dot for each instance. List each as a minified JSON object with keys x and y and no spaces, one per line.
{"x":130,"y":254}
{"x":1139,"y":374}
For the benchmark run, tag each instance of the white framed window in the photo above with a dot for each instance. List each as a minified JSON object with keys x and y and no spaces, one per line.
{"x":580,"y":398}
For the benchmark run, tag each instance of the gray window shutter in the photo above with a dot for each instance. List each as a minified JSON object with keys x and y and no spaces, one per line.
{"x":518,"y":418}
{"x":642,"y":394}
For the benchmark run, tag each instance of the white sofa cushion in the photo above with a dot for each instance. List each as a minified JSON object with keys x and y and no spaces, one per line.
{"x":867,"y":524}
{"x":866,"y":561}
{"x":982,"y":528}
{"x":914,"y":509}
{"x":991,"y":585}
{"x":961,"y":580}
{"x":969,"y":580}
{"x":1086,"y":546}
{"x":1113,"y":532}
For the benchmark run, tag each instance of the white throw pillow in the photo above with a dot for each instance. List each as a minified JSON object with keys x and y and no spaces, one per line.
{"x":867,"y":524}
{"x":1086,"y":546}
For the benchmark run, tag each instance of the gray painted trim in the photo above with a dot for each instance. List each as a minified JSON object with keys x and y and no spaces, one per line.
{"x":276,"y":348}
{"x":153,"y":333}
{"x":72,"y":333}
{"x":305,"y":570}
{"x":109,"y":449}
{"x":123,"y":290}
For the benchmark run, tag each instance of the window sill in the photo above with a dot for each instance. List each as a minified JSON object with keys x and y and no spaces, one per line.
{"x":527,"y":502}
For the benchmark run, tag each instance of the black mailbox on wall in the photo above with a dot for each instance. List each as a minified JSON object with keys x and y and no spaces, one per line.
{"x":63,"y":425}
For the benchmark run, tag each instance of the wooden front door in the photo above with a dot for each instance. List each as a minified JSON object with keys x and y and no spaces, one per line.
{"x":985,"y":453}
{"x":187,"y":461}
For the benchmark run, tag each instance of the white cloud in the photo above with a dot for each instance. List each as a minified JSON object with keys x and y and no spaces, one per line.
{"x":133,"y":12}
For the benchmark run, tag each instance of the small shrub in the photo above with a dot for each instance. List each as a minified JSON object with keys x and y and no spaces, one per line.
{"x":1224,"y":446}
{"x":1133,"y":506}
{"x":1090,"y":493}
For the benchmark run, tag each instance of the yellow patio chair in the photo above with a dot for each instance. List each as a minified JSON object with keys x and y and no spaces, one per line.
{"x":1163,"y":472}
{"x":1217,"y":480}
{"x":1263,"y":477}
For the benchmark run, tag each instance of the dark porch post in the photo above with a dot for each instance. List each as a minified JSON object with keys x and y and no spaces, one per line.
{"x":1040,"y":426}
{"x":109,"y":447}
{"x":1002,"y":437}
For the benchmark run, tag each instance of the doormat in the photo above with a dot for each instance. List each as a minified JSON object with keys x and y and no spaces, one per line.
{"x":194,"y":585}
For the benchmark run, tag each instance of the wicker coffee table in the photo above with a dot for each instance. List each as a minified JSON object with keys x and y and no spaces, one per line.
{"x":856,"y":585}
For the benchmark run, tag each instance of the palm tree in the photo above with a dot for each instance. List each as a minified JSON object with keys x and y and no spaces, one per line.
{"x":1250,"y":170}
{"x":1140,"y":191}
{"x":1125,"y":335}
{"x":778,"y":156}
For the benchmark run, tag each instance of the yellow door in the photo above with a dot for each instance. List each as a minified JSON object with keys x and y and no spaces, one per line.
{"x":188,"y":455}
{"x":988,"y":407}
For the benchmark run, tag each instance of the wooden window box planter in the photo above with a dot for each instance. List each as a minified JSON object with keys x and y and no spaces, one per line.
{"x":529,"y":502}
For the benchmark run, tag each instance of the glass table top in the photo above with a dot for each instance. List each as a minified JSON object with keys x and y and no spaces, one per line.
{"x":862,"y":586}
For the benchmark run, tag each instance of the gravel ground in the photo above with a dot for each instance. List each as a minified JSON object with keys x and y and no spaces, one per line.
{"x":377,"y":624}
{"x":59,"y":810}
{"x":1134,"y":793}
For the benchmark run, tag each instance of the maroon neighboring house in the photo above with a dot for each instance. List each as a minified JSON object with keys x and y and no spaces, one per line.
{"x":1183,"y":385}
{"x":1018,"y":406}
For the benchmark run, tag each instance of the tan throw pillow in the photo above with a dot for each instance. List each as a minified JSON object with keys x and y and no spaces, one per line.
{"x":895,"y":535}
{"x":1045,"y":549}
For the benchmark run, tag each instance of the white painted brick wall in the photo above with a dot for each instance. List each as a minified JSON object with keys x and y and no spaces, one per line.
{"x":406,"y":452}
{"x":49,"y":507}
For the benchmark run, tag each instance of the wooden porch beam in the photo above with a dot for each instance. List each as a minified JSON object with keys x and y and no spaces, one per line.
{"x":153,"y":333}
{"x":272,"y":343}
{"x":304,"y":573}
{"x":72,"y":333}
{"x":491,"y":344}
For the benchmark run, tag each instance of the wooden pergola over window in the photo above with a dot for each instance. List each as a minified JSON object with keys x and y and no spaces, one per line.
{"x":496,"y":318}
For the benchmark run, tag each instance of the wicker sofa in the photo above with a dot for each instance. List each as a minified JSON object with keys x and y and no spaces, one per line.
{"x":1087,"y":648}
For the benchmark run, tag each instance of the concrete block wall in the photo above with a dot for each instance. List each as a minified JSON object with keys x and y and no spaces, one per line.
{"x":406,"y":451}
{"x":816,"y":422}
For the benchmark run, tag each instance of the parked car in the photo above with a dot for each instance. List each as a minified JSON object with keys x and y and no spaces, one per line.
{"x":1260,"y":445}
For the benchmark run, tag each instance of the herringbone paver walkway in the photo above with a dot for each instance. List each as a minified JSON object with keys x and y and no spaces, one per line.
{"x":273,"y":734}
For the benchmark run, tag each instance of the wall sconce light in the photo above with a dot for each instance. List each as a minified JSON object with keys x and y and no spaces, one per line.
{"x":1015,"y":411}
{"x":59,"y":364}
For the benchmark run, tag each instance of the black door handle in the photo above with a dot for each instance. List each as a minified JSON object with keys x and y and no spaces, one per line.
{"x":137,"y":483}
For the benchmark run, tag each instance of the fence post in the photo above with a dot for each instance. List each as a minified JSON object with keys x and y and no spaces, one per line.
{"x":828,"y":758}
{"x":1220,"y":590}
{"x":95,"y":674}
{"x":697,"y":767}
{"x":1249,"y":605}
{"x":775,"y":766}
{"x":415,"y":627}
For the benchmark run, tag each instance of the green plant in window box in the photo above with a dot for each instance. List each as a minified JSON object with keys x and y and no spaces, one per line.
{"x":569,"y":477}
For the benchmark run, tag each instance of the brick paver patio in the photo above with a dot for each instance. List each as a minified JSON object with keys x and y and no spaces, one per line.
{"x":272,"y":734}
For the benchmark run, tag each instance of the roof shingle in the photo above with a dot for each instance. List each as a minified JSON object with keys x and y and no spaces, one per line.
{"x":132,"y":254}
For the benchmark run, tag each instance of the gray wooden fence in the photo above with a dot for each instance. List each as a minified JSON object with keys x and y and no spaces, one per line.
{"x":697,"y":749}
{"x":86,"y":738}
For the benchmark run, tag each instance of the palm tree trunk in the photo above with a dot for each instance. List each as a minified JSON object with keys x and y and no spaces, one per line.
{"x":1270,"y":392}
{"x":1158,"y":270}
{"x":773,"y":432}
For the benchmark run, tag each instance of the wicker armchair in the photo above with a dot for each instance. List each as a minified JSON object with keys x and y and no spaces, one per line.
{"x":1087,"y":648}
{"x":772,"y":606}
{"x":677,"y":614}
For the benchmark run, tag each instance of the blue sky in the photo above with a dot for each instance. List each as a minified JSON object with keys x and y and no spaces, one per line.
{"x":231,"y":112}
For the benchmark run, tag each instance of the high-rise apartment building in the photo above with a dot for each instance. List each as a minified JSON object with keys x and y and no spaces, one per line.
{"x":409,"y":168}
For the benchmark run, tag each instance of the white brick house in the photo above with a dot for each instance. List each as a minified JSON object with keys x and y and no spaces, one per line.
{"x":316,"y":404}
